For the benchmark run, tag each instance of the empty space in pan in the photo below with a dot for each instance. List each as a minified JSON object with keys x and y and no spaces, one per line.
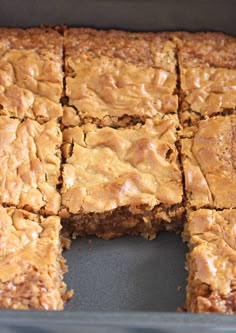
{"x":127,"y":274}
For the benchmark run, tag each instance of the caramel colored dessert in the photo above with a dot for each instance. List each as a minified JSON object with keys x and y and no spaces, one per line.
{"x":31,"y":265}
{"x":118,"y":181}
{"x":118,"y":78}
{"x":90,"y":129}
{"x":30,"y":164}
{"x":207,"y":63}
{"x":31,"y":77}
{"x":209,"y":164}
{"x":211,"y":261}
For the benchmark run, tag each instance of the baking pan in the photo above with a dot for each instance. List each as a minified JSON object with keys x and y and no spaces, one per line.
{"x":127,"y":284}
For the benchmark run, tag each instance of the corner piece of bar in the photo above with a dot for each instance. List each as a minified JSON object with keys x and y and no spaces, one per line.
{"x":122,"y":181}
{"x":31,"y":76}
{"x":118,"y":78}
{"x":30,"y":159}
{"x":209,"y":163}
{"x":207,"y":63}
{"x":211,"y":261}
{"x":31,"y":265}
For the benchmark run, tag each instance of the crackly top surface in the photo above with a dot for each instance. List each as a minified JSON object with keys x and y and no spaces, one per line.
{"x":108,"y":168}
{"x":30,"y":272}
{"x":207,"y":63}
{"x":31,"y":77}
{"x":18,"y":228}
{"x":108,"y":89}
{"x":30,"y":164}
{"x":146,"y":49}
{"x":209,"y":161}
{"x":209,"y":49}
{"x":212,"y":240}
{"x":115,"y":74}
{"x":208,"y":91}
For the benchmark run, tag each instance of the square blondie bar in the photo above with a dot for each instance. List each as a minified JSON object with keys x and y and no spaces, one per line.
{"x":30,"y":160}
{"x":207,"y":63}
{"x":31,"y":264}
{"x":209,"y":163}
{"x":122,"y":181}
{"x":118,"y":78}
{"x":31,"y":76}
{"x":211,"y":261}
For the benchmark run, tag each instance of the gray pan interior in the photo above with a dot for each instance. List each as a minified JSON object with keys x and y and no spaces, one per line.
{"x":127,"y":274}
{"x":115,"y":280}
{"x":149,"y":15}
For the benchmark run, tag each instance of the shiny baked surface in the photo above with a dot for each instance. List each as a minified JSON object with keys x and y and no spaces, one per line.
{"x":30,"y":160}
{"x":209,"y":160}
{"x":115,"y":78}
{"x":31,"y":77}
{"x":207,"y":63}
{"x":108,"y":168}
{"x":137,"y":117}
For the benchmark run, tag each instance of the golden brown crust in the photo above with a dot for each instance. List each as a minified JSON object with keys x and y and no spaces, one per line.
{"x":207,"y":75}
{"x":207,"y":92}
{"x":110,"y":168}
{"x":146,"y":49}
{"x":31,"y":77}
{"x":31,"y":266}
{"x":206,"y":49}
{"x":39,"y":39}
{"x":115,"y":77}
{"x":116,"y":181}
{"x":211,"y":261}
{"x":209,"y":164}
{"x":105,"y":90}
{"x":30,"y":164}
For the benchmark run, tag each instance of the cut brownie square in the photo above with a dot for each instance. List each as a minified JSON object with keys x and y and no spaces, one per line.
{"x":31,"y":265}
{"x":207,"y":63}
{"x":31,"y":77}
{"x":118,"y":181}
{"x":211,"y":261}
{"x":118,"y":78}
{"x":209,"y":163}
{"x":30,"y":161}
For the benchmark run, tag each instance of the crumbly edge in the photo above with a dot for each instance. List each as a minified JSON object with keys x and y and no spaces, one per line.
{"x":29,"y":290}
{"x":121,"y":221}
{"x":189,"y":42}
{"x":32,"y":38}
{"x":69,"y":33}
{"x":113,"y":33}
{"x":37,"y":285}
{"x":200,"y":298}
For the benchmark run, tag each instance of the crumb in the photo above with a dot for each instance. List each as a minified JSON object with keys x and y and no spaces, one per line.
{"x":68,"y":295}
{"x":179,"y":288}
{"x":65,"y":242}
{"x":180,"y":310}
{"x":90,"y":241}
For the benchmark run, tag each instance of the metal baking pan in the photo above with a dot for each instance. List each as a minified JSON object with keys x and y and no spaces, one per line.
{"x":127,"y":284}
